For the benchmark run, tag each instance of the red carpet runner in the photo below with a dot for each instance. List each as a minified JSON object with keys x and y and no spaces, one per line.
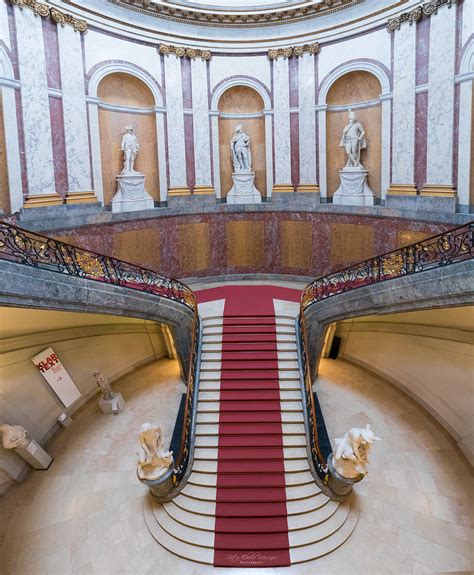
{"x":251,"y":517}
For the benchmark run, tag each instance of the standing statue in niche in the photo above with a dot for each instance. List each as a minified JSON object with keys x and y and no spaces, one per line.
{"x":353,"y":140}
{"x":154,"y":461}
{"x":130,"y":148}
{"x":13,"y":436}
{"x":104,"y":385}
{"x":240,"y":149}
{"x":352,"y":452}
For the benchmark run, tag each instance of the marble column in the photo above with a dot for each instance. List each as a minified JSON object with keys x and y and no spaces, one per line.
{"x":216,"y":164}
{"x":75,"y":117}
{"x":93,"y":112}
{"x":465,"y":143}
{"x":404,"y":98}
{"x":10,"y":127}
{"x":439,"y":176}
{"x":281,"y":123}
{"x":160,"y":138}
{"x":202,"y":148}
{"x":323,"y":184}
{"x":35,"y":104}
{"x":307,"y":124}
{"x":175,"y":120}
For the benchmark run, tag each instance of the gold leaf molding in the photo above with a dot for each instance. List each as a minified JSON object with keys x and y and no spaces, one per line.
{"x":56,"y":15}
{"x":181,"y":52}
{"x":294,"y":51}
{"x":426,"y":9}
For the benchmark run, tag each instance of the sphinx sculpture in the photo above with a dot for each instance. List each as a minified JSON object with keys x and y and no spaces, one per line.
{"x":351,"y":457}
{"x":154,"y":460}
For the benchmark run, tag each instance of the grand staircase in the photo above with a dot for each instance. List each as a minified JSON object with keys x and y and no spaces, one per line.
{"x":250,"y":500}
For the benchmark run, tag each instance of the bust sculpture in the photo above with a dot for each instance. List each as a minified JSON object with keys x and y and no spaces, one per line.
{"x":353,"y":140}
{"x":104,"y":385}
{"x":154,"y":460}
{"x":130,"y":148}
{"x":240,"y":149}
{"x":351,"y":457}
{"x":13,"y":436}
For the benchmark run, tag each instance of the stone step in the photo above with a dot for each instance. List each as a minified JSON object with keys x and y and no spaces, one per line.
{"x":286,"y":417}
{"x":292,"y":384}
{"x":290,"y":375}
{"x":207,"y":356}
{"x":216,"y":407}
{"x":208,"y":493}
{"x":249,"y":395}
{"x":287,"y":429}
{"x":249,"y":453}
{"x":243,"y":441}
{"x":209,"y":479}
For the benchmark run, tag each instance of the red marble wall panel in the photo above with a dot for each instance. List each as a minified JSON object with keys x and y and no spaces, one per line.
{"x":59,"y":145}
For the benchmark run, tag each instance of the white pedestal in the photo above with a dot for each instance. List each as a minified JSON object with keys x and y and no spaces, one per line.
{"x":34,"y":454}
{"x":131,"y":195}
{"x":244,"y":191}
{"x":114,"y":405}
{"x":354,"y":189}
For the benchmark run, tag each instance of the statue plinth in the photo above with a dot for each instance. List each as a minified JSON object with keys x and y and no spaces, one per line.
{"x":131,"y":195}
{"x":244,"y":191}
{"x":354,"y":189}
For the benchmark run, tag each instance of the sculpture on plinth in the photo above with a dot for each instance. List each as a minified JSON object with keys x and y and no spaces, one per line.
{"x":154,"y":460}
{"x":13,"y":436}
{"x":243,"y":191}
{"x":104,"y":385}
{"x":353,"y":189}
{"x":110,"y":402}
{"x":352,"y":455}
{"x":131,"y":194}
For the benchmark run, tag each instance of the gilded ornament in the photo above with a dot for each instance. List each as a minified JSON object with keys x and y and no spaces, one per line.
{"x":57,"y":16}
{"x":180,"y":52}
{"x":164,"y":49}
{"x":295,"y":51}
{"x":91,"y":265}
{"x":427,"y":9}
{"x":392,"y":265}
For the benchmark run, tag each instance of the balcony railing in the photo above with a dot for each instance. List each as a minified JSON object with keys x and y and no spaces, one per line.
{"x":35,"y":250}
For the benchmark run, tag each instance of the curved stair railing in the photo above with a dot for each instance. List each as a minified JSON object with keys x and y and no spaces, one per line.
{"x":35,"y":250}
{"x":456,"y":245}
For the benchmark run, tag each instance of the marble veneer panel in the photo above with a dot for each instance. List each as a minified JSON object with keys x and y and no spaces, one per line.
{"x":202,"y":148}
{"x":407,"y":237}
{"x":281,"y":119}
{"x":403,"y":140}
{"x":4,"y":186}
{"x":194,"y":247}
{"x":74,"y":109}
{"x":245,"y":243}
{"x":35,"y":103}
{"x":351,"y":243}
{"x":441,"y":97}
{"x":307,"y":119}
{"x":141,"y":245}
{"x":176,"y":137}
{"x":296,"y":244}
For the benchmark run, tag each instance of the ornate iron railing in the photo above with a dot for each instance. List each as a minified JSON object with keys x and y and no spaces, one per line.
{"x":444,"y":249}
{"x":35,"y":250}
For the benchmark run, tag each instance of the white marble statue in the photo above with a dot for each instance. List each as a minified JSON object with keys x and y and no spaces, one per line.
{"x":104,"y":385}
{"x":13,"y":436}
{"x":130,"y":148}
{"x":240,"y":149}
{"x":154,"y":461}
{"x":353,"y":140}
{"x":351,"y":457}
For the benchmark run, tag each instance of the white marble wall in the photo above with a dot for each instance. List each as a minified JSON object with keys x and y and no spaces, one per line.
{"x":403,"y":141}
{"x":281,"y":118}
{"x":202,"y":148}
{"x":465,"y":142}
{"x":257,"y":67}
{"x":4,"y":31}
{"x":74,"y":110}
{"x":441,"y":97}
{"x":175,"y":119}
{"x":35,"y":103}
{"x":307,"y":119}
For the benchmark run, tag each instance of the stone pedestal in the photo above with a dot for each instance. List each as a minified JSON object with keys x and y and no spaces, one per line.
{"x":131,"y":195}
{"x":354,"y":189}
{"x":114,"y":405}
{"x":244,"y":191}
{"x":34,"y":454}
{"x":340,"y":486}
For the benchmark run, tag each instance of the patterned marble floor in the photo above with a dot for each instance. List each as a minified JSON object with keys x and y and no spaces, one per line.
{"x":85,"y":514}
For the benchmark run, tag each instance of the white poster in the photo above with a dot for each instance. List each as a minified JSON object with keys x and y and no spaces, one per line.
{"x":58,"y":378}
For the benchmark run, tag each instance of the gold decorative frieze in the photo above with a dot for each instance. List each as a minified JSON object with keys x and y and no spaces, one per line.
{"x":183,"y":52}
{"x":294,"y":51}
{"x":56,"y":15}
{"x":426,"y":9}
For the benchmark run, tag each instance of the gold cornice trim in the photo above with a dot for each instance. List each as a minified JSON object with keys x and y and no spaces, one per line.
{"x":57,"y":16}
{"x":427,"y":9}
{"x":437,"y":190}
{"x":197,"y":39}
{"x":402,"y":190}
{"x":294,"y":51}
{"x":182,"y":51}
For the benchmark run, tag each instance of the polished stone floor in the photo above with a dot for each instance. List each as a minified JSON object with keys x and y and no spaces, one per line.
{"x":85,"y":514}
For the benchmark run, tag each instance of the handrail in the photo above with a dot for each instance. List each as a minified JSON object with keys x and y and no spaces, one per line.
{"x":35,"y":250}
{"x":443,"y":249}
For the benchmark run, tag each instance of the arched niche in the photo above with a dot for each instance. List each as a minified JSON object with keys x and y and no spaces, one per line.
{"x":242,"y":105}
{"x":351,"y":90}
{"x":126,"y":100}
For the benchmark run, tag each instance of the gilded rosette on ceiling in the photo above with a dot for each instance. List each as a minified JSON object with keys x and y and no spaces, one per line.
{"x":294,"y":51}
{"x":57,"y":16}
{"x":184,"y":52}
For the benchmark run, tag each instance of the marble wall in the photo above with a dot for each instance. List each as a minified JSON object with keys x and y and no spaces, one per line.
{"x":4,"y":186}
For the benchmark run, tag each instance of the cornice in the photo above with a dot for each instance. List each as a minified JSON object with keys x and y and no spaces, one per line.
{"x":426,"y":9}
{"x":57,"y":16}
{"x":236,"y":19}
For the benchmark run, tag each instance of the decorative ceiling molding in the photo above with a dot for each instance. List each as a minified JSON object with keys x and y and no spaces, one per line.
{"x":294,"y":51}
{"x":417,"y":13}
{"x":182,"y":52}
{"x":236,"y":18}
{"x":56,"y":15}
